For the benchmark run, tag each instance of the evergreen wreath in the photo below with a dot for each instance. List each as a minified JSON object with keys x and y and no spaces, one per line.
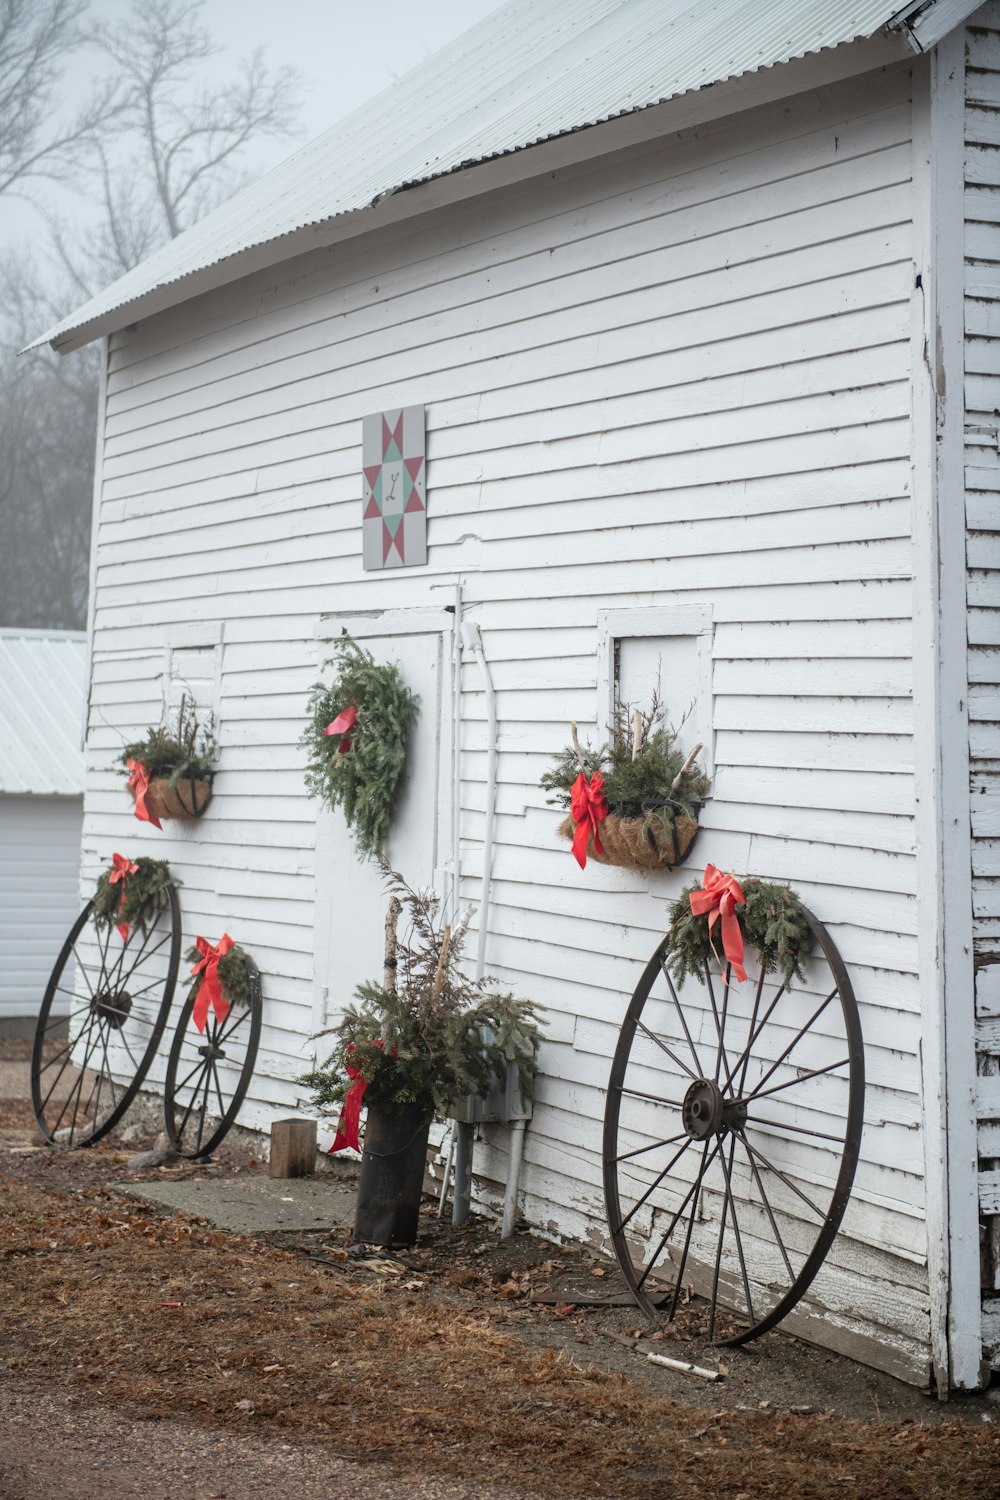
{"x":358,"y":766}
{"x":773,"y":921}
{"x":234,"y":976}
{"x":437,"y":1036}
{"x":145,"y":895}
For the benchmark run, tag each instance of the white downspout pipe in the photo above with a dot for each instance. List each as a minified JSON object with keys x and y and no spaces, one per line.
{"x":474,"y":641}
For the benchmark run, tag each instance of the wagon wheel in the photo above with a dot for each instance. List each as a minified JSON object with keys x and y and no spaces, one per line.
{"x":208,"y":1073}
{"x":114,"y":997}
{"x":731,"y":1136}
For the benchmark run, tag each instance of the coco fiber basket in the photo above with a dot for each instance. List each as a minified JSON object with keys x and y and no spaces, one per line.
{"x":635,"y":845}
{"x":188,"y":799}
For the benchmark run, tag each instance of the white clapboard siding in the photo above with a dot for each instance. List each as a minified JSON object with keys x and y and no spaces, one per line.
{"x":677,"y":376}
{"x":982,"y":509}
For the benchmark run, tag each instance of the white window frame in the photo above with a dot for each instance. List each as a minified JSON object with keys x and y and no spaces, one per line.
{"x":658,"y":620}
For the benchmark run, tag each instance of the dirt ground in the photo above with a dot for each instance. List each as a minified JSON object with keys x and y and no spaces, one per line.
{"x":164,"y":1357}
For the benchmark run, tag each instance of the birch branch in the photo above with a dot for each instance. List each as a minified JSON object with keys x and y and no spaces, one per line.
{"x":685,"y":767}
{"x":389,"y":961}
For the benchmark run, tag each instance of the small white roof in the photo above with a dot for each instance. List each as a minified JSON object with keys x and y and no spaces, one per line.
{"x":43,"y":679}
{"x":531,"y":71}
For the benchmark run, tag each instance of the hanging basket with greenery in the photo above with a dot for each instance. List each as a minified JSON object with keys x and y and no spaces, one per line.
{"x":170,"y":770}
{"x":635,"y":801}
{"x":356,"y":739}
{"x":131,"y":893}
{"x":710,"y":923}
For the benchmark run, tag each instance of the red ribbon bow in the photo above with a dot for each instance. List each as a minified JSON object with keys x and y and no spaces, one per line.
{"x":589,"y":807}
{"x":350,"y":1115}
{"x":719,"y":896}
{"x":121,"y":868}
{"x":210,"y":992}
{"x":343,"y":724}
{"x":139,"y":779}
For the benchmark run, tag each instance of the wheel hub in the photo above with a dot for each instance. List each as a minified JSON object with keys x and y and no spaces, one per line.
{"x":111,"y":1007}
{"x":706,"y":1111}
{"x":210,"y":1052}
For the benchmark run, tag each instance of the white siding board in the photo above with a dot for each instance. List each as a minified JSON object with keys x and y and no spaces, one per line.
{"x":678,"y":376}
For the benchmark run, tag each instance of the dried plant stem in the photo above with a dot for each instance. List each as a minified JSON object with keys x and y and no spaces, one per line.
{"x":686,"y":766}
{"x":576,"y":745}
{"x":442,"y":962}
{"x":389,"y":961}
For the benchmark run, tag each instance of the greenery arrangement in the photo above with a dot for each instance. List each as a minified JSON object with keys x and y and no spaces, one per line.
{"x":358,"y":767}
{"x":145,"y":895}
{"x":648,"y":782}
{"x":429,"y":1036}
{"x":773,"y":921}
{"x":234,"y":976}
{"x":185,"y":748}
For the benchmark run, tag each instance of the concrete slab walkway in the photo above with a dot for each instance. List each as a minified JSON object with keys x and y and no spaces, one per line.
{"x":255,"y":1205}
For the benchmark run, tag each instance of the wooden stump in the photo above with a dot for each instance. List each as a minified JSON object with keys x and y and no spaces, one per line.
{"x":293,"y":1148}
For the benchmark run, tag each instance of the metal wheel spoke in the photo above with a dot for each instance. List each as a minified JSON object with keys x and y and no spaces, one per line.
{"x":720,"y":1055}
{"x":187,"y":1079}
{"x":640,"y":1026}
{"x":714,"y":1301}
{"x":694,"y":1188}
{"x":656,"y":1098}
{"x":687,"y":1238}
{"x":779,"y":1125}
{"x":143,"y":954}
{"x":776,"y":1088}
{"x":683,"y":1020}
{"x":218,"y":1090}
{"x":795,"y":1040}
{"x":750,"y":1031}
{"x":744,"y":1057}
{"x":727,"y":1168}
{"x":187,"y":1113}
{"x":670,"y":1140}
{"x":653,"y":1186}
{"x":77,"y":1088}
{"x":767,"y":1206}
{"x":233,"y":1020}
{"x":783,"y":1178}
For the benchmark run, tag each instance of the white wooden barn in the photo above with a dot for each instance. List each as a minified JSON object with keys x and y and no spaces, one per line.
{"x":703,"y":307}
{"x":42,"y":690}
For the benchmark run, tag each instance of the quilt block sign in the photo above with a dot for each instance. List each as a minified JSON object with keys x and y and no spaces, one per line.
{"x":394,"y":508}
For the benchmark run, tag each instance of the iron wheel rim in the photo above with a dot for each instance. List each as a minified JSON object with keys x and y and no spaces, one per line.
{"x":728,"y":1119}
{"x":114,"y":1023}
{"x":193,"y":1071}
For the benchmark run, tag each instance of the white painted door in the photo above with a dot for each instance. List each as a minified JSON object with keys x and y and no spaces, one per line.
{"x":350,"y":895}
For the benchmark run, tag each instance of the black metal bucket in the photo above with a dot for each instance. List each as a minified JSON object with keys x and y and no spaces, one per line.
{"x":392,"y":1177}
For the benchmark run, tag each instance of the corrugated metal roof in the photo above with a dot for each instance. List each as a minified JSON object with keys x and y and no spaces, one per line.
{"x":42,"y":686}
{"x":533,"y":70}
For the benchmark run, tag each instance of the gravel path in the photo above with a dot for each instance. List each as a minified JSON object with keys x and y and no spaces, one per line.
{"x":57,"y":1448}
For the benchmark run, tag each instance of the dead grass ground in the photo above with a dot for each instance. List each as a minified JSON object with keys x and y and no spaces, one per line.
{"x":118,"y":1305}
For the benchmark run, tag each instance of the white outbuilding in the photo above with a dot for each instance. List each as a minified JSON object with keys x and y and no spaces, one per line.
{"x":700,"y":308}
{"x":43,"y":681}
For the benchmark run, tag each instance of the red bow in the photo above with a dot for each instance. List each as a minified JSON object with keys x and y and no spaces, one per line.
{"x":121,"y":868}
{"x":589,"y":806}
{"x":350,"y":1115}
{"x":210,"y":992}
{"x":719,"y":897}
{"x":139,"y":778}
{"x":343,"y":724}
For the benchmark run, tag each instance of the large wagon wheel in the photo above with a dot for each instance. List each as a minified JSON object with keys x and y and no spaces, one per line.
{"x":731,"y":1137}
{"x":209,"y":1072}
{"x":102,"y":1017}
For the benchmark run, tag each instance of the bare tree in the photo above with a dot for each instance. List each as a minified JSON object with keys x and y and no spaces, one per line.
{"x":37,"y":40}
{"x":175,"y":150}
